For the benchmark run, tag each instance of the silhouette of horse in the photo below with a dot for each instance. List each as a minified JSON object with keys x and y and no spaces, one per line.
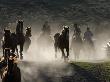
{"x":6,"y":42}
{"x":27,"y":39}
{"x":10,"y":72}
{"x":62,"y":42}
{"x":20,"y":37}
{"x":14,"y":44}
{"x":76,"y":45}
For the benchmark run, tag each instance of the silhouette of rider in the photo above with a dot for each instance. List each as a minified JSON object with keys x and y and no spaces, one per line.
{"x":77,"y":31}
{"x":88,"y":35}
{"x":46,"y":28}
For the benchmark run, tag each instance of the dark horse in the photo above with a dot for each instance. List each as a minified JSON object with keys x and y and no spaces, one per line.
{"x":10,"y":72}
{"x":20,"y":37}
{"x":76,"y":45}
{"x":27,"y":39}
{"x":6,"y":42}
{"x":62,"y":42}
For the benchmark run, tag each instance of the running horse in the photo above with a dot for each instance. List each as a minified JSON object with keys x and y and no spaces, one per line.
{"x":20,"y":37}
{"x":27,"y":39}
{"x":62,"y":42}
{"x":76,"y":45}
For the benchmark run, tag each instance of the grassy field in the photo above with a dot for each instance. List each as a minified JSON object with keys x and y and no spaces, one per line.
{"x":91,"y":72}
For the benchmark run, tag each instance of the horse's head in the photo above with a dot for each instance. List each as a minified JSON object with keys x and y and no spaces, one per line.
{"x":20,"y":21}
{"x":65,"y":31}
{"x":6,"y":32}
{"x":28,"y":32}
{"x":65,"y":27}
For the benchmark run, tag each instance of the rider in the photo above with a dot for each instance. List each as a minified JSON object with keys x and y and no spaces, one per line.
{"x":88,"y":35}
{"x":46,"y":28}
{"x":77,"y":31}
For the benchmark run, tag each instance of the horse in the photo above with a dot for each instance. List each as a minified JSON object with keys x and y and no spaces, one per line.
{"x":62,"y":42}
{"x":6,"y":43}
{"x":14,"y":44}
{"x":27,"y":39}
{"x":10,"y":72}
{"x":89,"y":47}
{"x":76,"y":45}
{"x":20,"y":37}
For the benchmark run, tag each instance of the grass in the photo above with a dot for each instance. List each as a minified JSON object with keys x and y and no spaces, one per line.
{"x":92,"y":72}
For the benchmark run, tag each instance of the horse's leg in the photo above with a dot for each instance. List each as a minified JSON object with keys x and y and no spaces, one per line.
{"x":76,"y":53}
{"x":21,"y":50}
{"x":17,"y":52}
{"x":63,"y":54}
{"x":55,"y":50}
{"x":3,"y":48}
{"x":67,"y":50}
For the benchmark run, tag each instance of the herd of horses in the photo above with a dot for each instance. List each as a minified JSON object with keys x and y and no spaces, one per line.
{"x":10,"y":72}
{"x":62,"y":43}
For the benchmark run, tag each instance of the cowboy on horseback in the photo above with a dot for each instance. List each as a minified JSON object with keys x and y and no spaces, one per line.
{"x":76,"y":44}
{"x":77,"y":31}
{"x":89,"y":43}
{"x":88,"y":35}
{"x":46,"y":28}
